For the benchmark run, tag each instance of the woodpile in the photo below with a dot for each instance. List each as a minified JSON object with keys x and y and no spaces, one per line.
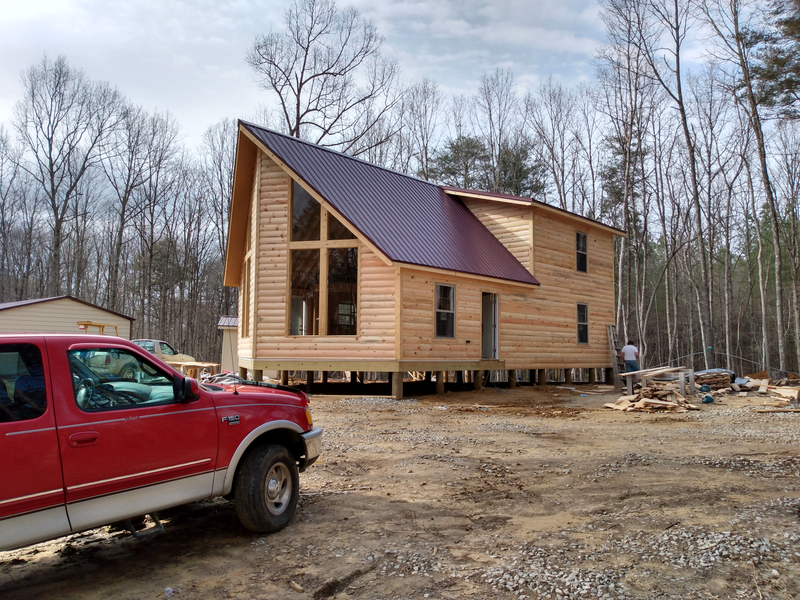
{"x":656,"y":397}
{"x":713,"y":380}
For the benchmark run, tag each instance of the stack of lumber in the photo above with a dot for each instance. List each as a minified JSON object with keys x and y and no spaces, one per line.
{"x":713,"y":380}
{"x":656,"y":397}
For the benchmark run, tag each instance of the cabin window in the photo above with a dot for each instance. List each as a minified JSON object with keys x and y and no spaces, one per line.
{"x":337,"y":231}
{"x":304,"y":316}
{"x":445,"y":304}
{"x":324,"y":270}
{"x":583,"y":323}
{"x":306,"y":212}
{"x":342,"y":291}
{"x":581,"y":259}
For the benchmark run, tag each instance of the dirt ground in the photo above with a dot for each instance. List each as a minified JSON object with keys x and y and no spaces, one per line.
{"x":502,"y":494}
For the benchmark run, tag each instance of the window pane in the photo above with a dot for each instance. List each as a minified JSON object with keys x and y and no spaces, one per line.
{"x":337,"y":231}
{"x":305,"y":215}
{"x":22,"y":389}
{"x":304,"y":318}
{"x":445,"y":297}
{"x":342,"y":291}
{"x":581,"y":266}
{"x":445,"y":306}
{"x":113,"y":378}
{"x":580,"y":242}
{"x":583,"y":323}
{"x":445,"y":324}
{"x":583,"y":313}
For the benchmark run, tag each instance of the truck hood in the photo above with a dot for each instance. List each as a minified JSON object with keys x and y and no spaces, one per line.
{"x":227,"y":394}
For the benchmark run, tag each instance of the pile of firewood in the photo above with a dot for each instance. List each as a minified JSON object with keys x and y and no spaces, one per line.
{"x":713,"y":380}
{"x":656,"y":397}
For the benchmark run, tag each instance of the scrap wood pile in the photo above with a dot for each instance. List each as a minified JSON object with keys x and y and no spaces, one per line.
{"x":715,"y":381}
{"x":781,"y":397}
{"x":656,"y":397}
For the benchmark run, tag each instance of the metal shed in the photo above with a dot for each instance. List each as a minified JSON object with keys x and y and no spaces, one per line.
{"x":61,"y":314}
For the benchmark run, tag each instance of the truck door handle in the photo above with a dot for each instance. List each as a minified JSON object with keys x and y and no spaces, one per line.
{"x":84,"y":438}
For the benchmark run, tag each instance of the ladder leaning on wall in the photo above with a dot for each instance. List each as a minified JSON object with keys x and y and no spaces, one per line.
{"x":614,"y":348}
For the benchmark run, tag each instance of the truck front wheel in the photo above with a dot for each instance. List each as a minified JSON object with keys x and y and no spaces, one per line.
{"x":267,"y":489}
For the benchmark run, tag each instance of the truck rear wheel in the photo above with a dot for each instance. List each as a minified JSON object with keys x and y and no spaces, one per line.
{"x":267,"y":488}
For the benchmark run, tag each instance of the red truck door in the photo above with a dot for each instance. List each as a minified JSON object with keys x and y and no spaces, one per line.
{"x":128,"y":446}
{"x":31,"y":487}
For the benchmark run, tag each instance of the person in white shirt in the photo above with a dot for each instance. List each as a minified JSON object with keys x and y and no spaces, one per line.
{"x":630,"y":354}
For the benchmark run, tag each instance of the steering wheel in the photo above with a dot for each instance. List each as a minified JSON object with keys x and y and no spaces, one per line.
{"x":84,"y":393}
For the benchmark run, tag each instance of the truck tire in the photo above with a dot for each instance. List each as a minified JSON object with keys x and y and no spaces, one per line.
{"x":267,"y":488}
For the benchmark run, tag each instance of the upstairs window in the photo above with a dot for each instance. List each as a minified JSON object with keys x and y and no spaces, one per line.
{"x":583,"y":323}
{"x":581,"y":259}
{"x":445,"y":303}
{"x":337,"y":231}
{"x":306,"y":215}
{"x":323,"y":257}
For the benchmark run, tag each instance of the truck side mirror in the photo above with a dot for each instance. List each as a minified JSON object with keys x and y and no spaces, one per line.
{"x":190,"y":390}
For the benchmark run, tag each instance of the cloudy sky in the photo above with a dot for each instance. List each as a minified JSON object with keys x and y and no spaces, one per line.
{"x":187,"y":56}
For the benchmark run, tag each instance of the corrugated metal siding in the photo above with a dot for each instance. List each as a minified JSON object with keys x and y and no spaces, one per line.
{"x":409,"y":220}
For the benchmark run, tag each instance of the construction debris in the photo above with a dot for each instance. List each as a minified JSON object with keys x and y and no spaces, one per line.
{"x":715,"y":381}
{"x":656,"y":397}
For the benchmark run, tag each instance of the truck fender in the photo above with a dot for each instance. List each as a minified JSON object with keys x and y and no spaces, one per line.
{"x":227,"y":486}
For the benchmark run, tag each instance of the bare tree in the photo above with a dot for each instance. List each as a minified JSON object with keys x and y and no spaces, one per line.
{"x":735,"y":23}
{"x":425,"y":104}
{"x":327,"y":73}
{"x":217,"y":157}
{"x":125,"y":167}
{"x":672,"y":18}
{"x":63,"y":122}
{"x":9,"y":202}
{"x":496,"y":118}
{"x":551,"y":114}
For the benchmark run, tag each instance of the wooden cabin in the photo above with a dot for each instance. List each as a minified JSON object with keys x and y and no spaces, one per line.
{"x":346,"y":266}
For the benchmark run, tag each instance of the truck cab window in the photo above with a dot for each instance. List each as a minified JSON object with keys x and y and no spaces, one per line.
{"x":22,"y":389}
{"x":111,"y":378}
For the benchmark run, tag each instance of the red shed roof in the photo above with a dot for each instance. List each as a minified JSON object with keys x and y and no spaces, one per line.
{"x":407,"y":219}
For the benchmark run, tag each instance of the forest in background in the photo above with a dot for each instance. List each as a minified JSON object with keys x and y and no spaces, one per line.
{"x":699,"y":164}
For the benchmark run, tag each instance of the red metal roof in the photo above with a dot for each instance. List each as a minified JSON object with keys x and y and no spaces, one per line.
{"x":408,"y":219}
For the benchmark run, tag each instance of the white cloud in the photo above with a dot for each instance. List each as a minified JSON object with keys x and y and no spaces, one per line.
{"x":187,"y":56}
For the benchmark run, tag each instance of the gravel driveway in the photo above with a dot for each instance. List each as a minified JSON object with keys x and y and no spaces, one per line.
{"x":501,"y":494}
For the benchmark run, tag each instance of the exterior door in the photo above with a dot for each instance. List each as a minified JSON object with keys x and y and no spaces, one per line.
{"x":128,"y":446}
{"x":489,"y":326}
{"x":31,"y":489}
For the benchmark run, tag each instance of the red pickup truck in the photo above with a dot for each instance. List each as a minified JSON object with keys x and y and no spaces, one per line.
{"x":81,"y":447}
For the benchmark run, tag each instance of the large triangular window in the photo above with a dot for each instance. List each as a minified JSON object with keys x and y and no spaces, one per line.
{"x":324,"y":270}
